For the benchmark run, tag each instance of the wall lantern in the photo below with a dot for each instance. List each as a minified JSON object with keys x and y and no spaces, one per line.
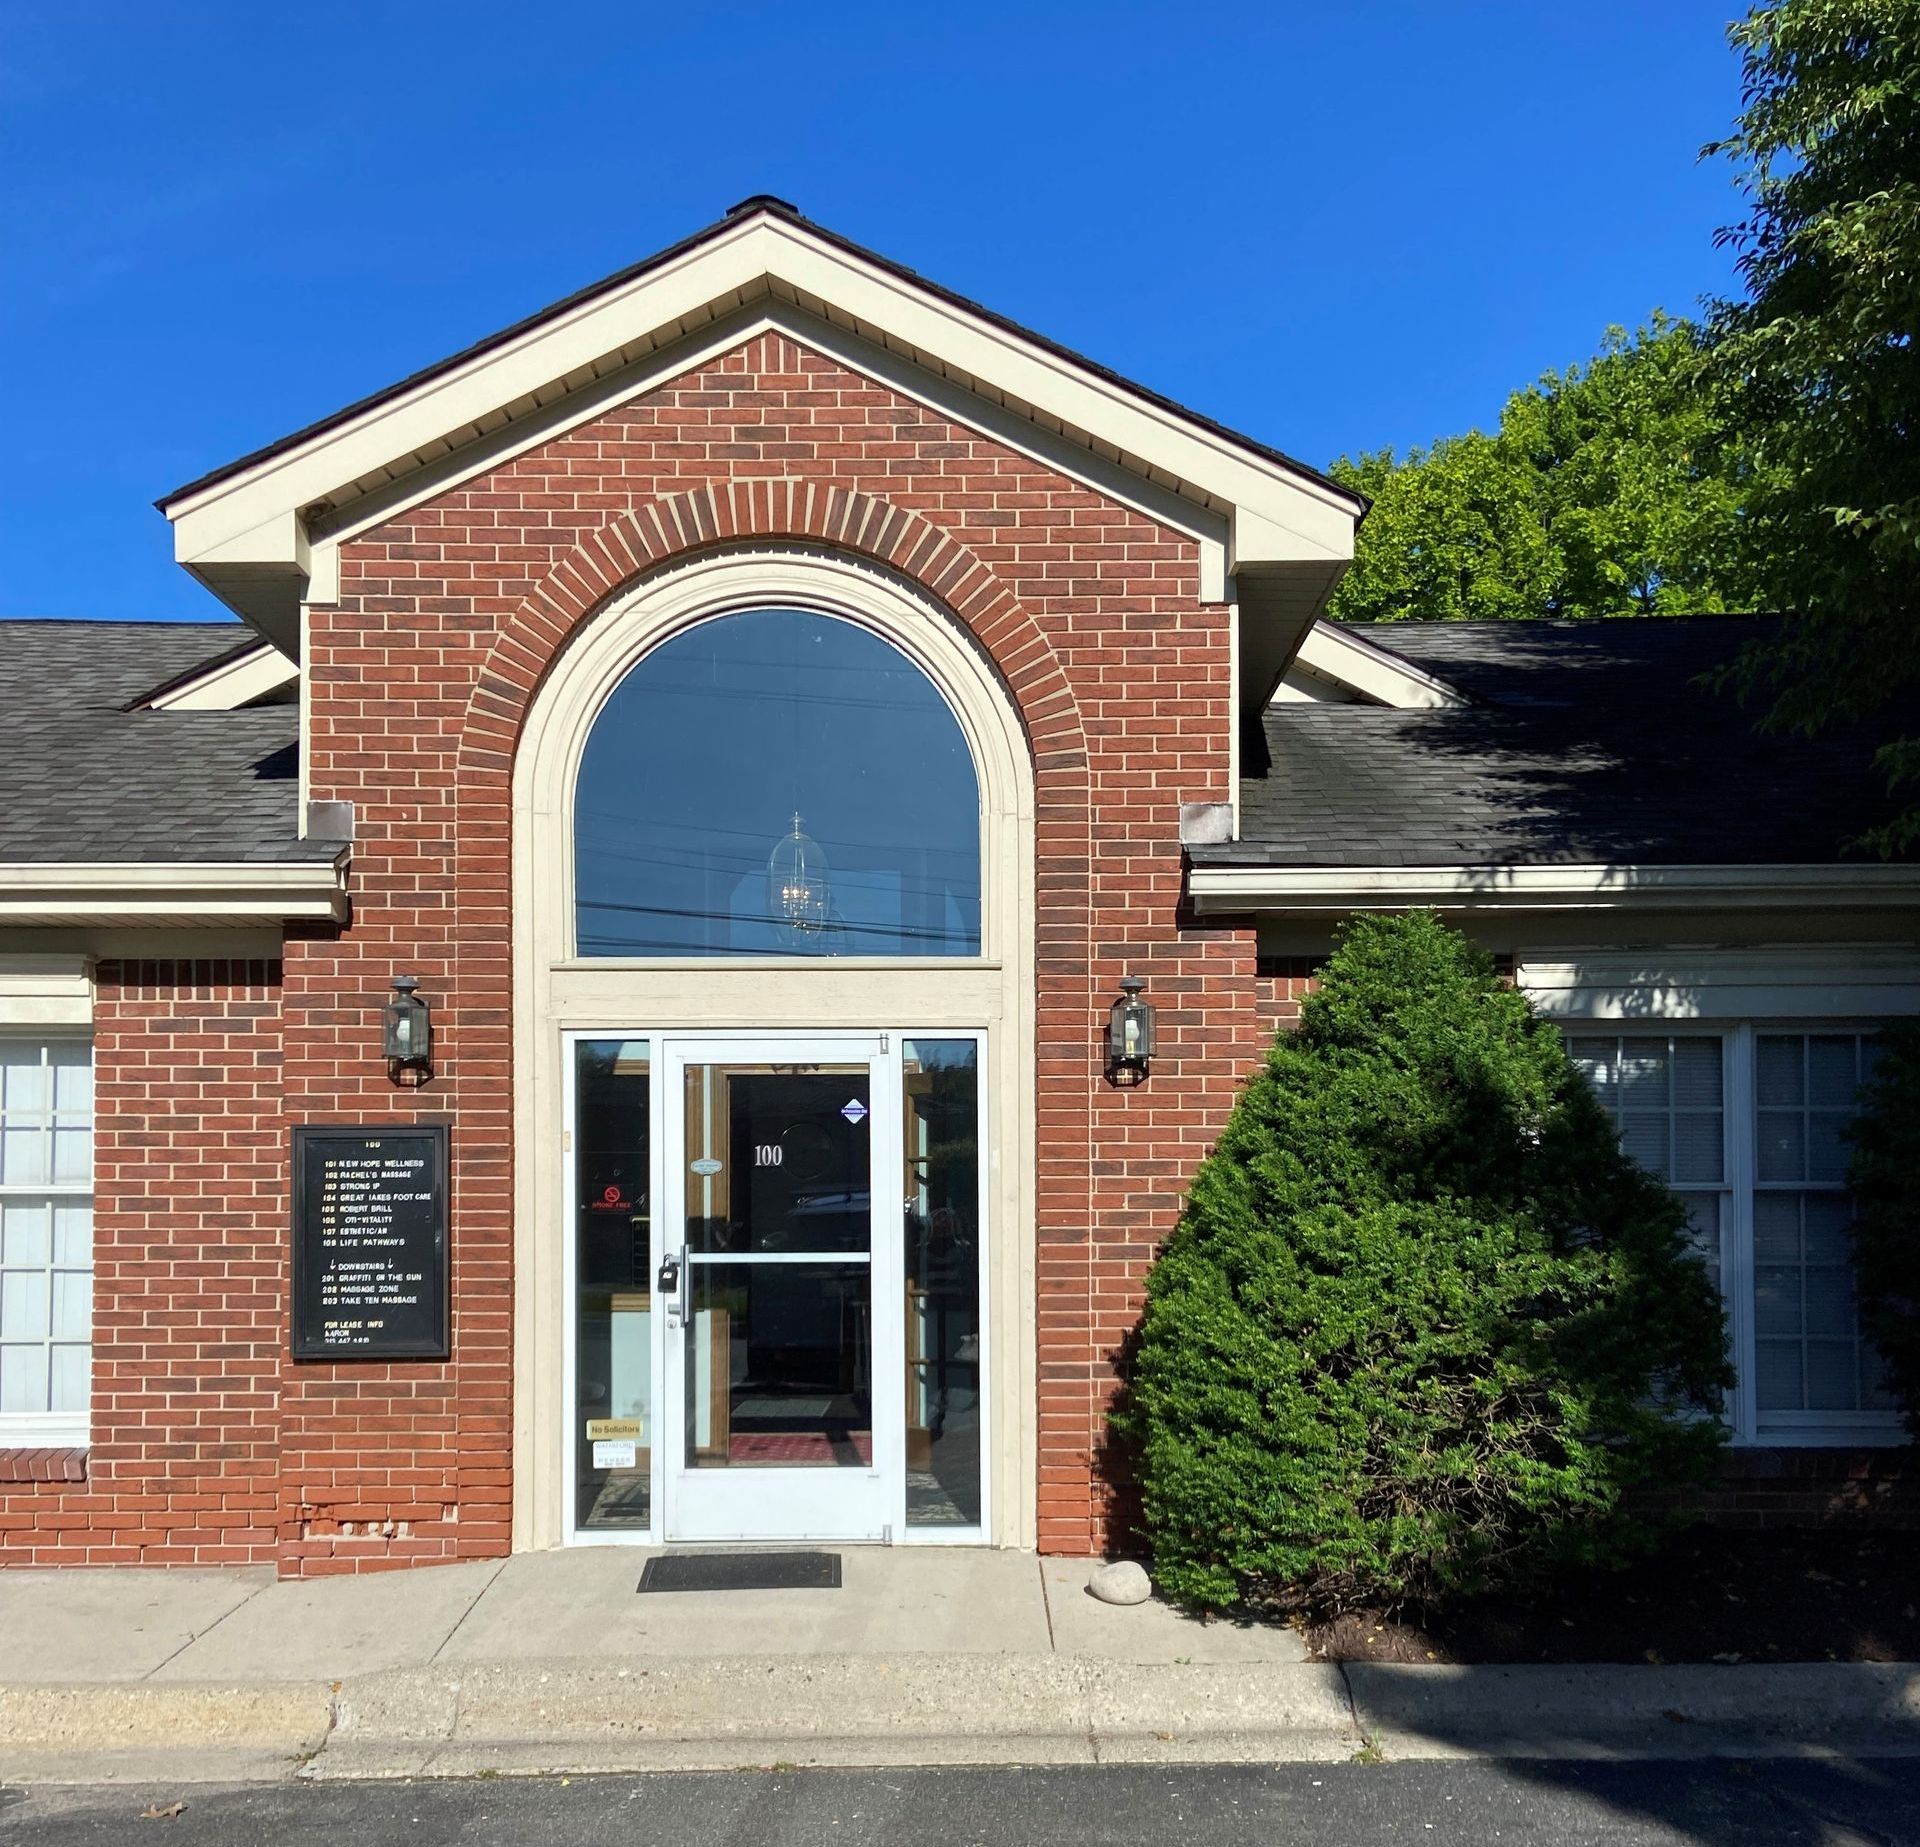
{"x":406,"y":1032}
{"x":1129,"y":1034}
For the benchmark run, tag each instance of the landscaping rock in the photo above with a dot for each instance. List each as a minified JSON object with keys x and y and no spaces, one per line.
{"x":1121,"y":1582}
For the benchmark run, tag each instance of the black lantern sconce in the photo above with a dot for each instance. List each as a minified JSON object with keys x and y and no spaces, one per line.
{"x":1129,"y":1035}
{"x":406,"y":1033}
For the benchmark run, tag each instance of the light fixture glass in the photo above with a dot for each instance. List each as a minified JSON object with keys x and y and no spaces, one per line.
{"x":1130,"y":1034}
{"x":406,"y":1029}
{"x":799,"y":882}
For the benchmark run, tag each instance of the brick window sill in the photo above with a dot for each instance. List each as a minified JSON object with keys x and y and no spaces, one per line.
{"x":43,"y":1465}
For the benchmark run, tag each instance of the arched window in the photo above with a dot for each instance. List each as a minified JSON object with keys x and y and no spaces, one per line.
{"x":776,"y":782}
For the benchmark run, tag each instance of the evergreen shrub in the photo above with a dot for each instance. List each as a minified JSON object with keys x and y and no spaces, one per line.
{"x":1885,"y":1175}
{"x":1422,"y":1328}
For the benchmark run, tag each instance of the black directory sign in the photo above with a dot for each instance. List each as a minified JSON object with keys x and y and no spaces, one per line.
{"x":370,"y":1243}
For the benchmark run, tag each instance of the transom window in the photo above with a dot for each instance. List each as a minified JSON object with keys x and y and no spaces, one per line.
{"x":46,"y":1239}
{"x":1748,"y":1126}
{"x":776,"y":782}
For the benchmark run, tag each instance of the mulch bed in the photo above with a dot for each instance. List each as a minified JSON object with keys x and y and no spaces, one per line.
{"x":1711,"y":1595}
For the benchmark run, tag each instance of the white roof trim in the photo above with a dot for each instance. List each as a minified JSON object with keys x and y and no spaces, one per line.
{"x":228,"y":685}
{"x":1209,"y":529}
{"x":173,"y":892}
{"x":46,"y":990}
{"x":245,"y":532}
{"x":1864,"y":981}
{"x":1375,"y":675}
{"x":1332,"y":889}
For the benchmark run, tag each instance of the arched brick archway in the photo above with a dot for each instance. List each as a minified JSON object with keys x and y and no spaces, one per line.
{"x":642,"y":541}
{"x":645,"y":537}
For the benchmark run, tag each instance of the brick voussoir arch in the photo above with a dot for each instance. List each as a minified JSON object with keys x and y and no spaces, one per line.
{"x":644,"y":537}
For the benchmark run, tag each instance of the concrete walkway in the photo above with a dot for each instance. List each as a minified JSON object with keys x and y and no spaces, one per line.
{"x":550,"y":1661}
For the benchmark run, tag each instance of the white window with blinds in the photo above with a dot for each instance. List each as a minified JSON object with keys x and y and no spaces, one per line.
{"x":46,"y":1240}
{"x":1746,"y":1123}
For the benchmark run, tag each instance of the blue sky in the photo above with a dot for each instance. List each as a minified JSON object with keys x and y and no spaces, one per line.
{"x":1331,"y":226}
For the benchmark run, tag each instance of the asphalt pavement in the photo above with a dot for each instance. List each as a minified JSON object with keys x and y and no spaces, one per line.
{"x":1832,"y":1802}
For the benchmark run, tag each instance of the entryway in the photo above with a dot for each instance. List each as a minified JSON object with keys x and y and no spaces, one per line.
{"x":791,"y":1347}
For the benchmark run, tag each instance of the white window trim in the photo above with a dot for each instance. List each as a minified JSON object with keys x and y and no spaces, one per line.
{"x":47,"y":999}
{"x":1737,"y":995}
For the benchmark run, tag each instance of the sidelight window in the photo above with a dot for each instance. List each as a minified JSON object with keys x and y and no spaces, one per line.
{"x":46,"y":1240}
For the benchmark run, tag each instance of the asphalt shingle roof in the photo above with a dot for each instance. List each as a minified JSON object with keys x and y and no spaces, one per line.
{"x":82,"y":779}
{"x":1583,"y":743}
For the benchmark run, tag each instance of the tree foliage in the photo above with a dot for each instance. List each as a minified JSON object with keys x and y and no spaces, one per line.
{"x":1422,"y":1326}
{"x":1610,"y":489}
{"x":1818,"y":368}
{"x":1885,"y":1177}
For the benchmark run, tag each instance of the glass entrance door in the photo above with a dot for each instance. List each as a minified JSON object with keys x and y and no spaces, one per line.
{"x":783,"y":1412}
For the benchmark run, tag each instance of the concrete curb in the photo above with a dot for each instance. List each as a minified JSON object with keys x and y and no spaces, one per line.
{"x":1624,"y":1711}
{"x":762,"y":1711}
{"x":729,"y":1712}
{"x":149,"y":1732}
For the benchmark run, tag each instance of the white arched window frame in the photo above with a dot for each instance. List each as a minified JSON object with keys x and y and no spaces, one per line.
{"x":557,"y":991}
{"x":898,"y":766}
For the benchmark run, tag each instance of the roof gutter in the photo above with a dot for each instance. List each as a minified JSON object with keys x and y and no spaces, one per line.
{"x":174,"y":892}
{"x":1318,"y":890}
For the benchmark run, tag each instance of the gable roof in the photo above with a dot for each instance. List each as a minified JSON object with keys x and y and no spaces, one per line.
{"x":83,"y":779}
{"x":767,"y":204}
{"x":263,"y":532}
{"x":1577,"y":744}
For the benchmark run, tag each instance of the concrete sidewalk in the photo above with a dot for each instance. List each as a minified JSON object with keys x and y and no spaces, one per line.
{"x":550,"y":1661}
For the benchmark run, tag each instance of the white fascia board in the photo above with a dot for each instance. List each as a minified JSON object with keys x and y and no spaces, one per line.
{"x":937,"y":392}
{"x":1333,"y":889}
{"x":229,"y":685}
{"x":1868,"y":981}
{"x":1279,"y":514}
{"x":94,"y":892}
{"x":1373,"y":672}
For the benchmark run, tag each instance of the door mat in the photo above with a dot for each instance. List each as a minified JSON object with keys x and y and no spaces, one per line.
{"x":742,"y":1571}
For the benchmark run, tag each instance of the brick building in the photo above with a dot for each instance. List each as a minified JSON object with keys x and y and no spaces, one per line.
{"x":769,"y":704}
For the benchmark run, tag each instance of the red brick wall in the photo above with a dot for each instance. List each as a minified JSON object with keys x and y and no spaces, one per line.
{"x":190,"y":1241}
{"x":418,"y":680}
{"x":1805,"y":1487}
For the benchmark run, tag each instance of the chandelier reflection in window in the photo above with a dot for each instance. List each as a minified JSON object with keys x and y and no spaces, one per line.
{"x":800,"y":885}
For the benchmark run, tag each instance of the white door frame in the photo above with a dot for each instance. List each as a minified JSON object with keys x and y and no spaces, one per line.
{"x":669,"y":1053}
{"x":769,"y":1503}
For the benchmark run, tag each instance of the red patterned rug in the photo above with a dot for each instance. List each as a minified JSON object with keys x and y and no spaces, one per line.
{"x":805,"y":1448}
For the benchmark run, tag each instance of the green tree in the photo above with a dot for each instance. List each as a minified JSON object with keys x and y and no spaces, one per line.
{"x":1818,"y":368}
{"x":1609,"y":489}
{"x":1422,"y":1326}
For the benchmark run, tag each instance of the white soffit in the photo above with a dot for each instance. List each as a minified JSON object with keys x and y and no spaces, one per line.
{"x":1334,"y":665}
{"x":1866,"y":982}
{"x":227,"y":685}
{"x":252,"y":532}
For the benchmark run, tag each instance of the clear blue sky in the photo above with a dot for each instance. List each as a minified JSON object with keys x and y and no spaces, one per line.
{"x":1330,"y":225}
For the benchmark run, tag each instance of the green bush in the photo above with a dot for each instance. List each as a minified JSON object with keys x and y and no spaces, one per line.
{"x":1886,"y":1236}
{"x":1422,"y":1326}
